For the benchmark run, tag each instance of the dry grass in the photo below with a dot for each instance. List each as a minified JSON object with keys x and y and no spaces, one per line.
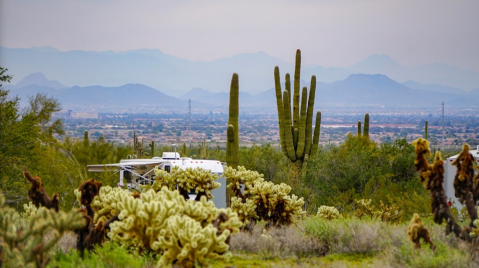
{"x":277,"y":243}
{"x":352,"y":242}
{"x":67,"y":242}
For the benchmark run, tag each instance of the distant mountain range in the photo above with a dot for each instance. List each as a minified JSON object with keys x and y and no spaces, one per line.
{"x":175,"y":76}
{"x":355,"y":90}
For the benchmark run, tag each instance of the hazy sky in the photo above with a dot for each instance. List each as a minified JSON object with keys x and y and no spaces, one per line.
{"x":329,"y":32}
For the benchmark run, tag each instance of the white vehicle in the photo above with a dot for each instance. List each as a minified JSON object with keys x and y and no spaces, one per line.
{"x":136,"y":172}
{"x":450,"y":173}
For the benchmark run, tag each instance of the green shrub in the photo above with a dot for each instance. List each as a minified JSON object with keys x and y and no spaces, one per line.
{"x":108,"y":255}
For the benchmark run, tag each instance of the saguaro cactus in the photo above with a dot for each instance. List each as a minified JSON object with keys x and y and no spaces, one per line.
{"x":425,"y":130}
{"x":295,"y":134}
{"x":86,"y":141}
{"x":366,"y":126}
{"x":152,"y":148}
{"x":232,"y":143}
{"x":359,"y":128}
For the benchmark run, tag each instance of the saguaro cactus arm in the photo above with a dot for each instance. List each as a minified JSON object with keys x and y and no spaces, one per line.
{"x":302,"y":125}
{"x":309,"y":116}
{"x":287,"y":128}
{"x":317,"y":128}
{"x":297,"y":73}
{"x":279,"y":104}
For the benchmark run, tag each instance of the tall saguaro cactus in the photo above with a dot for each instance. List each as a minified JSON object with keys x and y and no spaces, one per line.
{"x":366,"y":126}
{"x":296,"y":124}
{"x":232,"y":142}
{"x":425,"y":130}
{"x":152,"y":149}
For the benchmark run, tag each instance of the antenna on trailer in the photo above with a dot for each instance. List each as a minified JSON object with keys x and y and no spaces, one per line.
{"x":443,"y":131}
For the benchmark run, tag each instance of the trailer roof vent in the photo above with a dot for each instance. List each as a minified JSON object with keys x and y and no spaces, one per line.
{"x":170,"y":155}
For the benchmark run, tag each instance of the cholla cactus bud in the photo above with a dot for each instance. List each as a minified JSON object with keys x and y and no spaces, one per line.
{"x":329,"y":213}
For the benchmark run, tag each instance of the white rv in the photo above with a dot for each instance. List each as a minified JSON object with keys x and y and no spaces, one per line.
{"x":135,"y":172}
{"x":450,"y":173}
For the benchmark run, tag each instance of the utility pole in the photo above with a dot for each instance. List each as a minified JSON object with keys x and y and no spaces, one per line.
{"x":189,"y":122}
{"x":443,"y":131}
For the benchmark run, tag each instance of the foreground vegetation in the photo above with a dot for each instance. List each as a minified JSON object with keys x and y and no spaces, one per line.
{"x":315,"y":242}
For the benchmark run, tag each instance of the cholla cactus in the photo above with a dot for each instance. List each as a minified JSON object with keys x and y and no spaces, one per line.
{"x":38,"y":194}
{"x":416,"y":230}
{"x":475,"y":231}
{"x":30,"y":210}
{"x":157,"y":220}
{"x":388,"y":213}
{"x":190,"y":243}
{"x":24,"y":245}
{"x":275,"y":205}
{"x":435,"y":178}
{"x":105,"y":204}
{"x":200,"y":180}
{"x":163,"y":178}
{"x":463,"y":181}
{"x":329,"y":213}
{"x":142,"y":219}
{"x":364,"y":208}
{"x":241,"y":176}
{"x":272,"y":202}
{"x":246,"y":211}
{"x":385,"y":213}
{"x":420,"y":163}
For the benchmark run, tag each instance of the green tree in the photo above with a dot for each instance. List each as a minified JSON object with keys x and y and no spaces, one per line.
{"x":22,"y":133}
{"x":360,"y":168}
{"x":266,"y":160}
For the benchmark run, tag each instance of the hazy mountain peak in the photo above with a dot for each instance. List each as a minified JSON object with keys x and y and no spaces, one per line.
{"x":375,"y":77}
{"x":195,"y":94}
{"x":45,"y":49}
{"x":376,"y":62}
{"x":39,"y":79}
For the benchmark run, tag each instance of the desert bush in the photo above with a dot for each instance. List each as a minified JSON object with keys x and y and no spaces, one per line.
{"x":353,"y":235}
{"x":445,"y":255}
{"x":362,"y":169}
{"x":277,"y":242}
{"x":110,"y":254}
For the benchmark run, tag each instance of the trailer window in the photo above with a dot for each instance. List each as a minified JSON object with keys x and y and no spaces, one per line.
{"x":168,"y":169}
{"x":127,"y":176}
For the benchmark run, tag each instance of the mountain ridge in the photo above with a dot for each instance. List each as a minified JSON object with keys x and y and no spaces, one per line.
{"x":171,"y":74}
{"x":356,"y":90}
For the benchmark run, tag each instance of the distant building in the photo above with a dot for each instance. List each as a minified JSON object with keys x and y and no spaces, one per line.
{"x":76,"y":115}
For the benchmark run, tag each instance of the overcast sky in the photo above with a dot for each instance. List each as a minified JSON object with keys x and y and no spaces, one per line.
{"x":329,"y":32}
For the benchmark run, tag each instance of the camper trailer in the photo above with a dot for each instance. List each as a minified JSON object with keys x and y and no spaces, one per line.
{"x":135,"y":172}
{"x":450,"y":173}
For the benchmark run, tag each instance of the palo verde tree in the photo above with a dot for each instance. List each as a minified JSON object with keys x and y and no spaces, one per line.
{"x":296,"y":123}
